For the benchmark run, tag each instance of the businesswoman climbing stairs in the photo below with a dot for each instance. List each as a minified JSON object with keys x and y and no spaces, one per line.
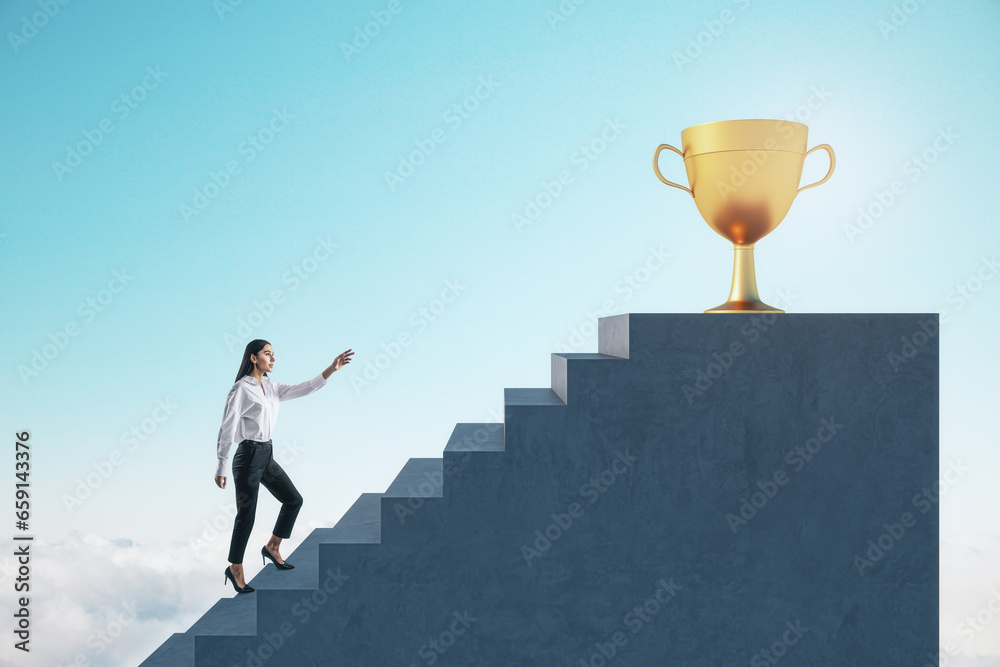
{"x":249,"y":418}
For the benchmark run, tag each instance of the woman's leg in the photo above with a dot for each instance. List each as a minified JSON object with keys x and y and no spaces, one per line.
{"x":277,"y":482}
{"x":274,"y":545}
{"x":246,"y":479}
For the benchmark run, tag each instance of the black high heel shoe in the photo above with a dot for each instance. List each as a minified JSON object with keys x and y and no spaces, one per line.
{"x":246,"y":589}
{"x":280,"y":566}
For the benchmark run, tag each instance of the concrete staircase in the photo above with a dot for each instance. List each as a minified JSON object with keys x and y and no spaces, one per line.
{"x":604,"y":521}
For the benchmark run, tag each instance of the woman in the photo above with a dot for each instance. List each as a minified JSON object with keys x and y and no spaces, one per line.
{"x":249,"y":418}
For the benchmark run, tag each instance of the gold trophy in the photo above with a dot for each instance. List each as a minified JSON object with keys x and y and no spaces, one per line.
{"x":744,"y":175}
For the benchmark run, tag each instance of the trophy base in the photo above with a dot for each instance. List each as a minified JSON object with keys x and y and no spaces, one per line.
{"x":743,"y":307}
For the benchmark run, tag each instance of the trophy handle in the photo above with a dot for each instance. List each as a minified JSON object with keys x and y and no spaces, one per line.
{"x":833,"y":163}
{"x":656,"y":166}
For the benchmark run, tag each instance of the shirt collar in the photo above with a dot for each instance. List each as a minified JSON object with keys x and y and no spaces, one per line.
{"x":252,"y":380}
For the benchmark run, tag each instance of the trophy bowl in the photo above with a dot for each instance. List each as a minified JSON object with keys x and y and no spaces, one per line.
{"x":744,"y":176}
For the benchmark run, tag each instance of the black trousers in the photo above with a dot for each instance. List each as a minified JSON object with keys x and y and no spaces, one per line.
{"x":253,"y":465}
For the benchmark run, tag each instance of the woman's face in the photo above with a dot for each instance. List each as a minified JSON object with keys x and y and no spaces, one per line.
{"x":264,"y":360}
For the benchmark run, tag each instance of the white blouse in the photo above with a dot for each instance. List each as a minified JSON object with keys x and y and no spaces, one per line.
{"x":252,"y":410}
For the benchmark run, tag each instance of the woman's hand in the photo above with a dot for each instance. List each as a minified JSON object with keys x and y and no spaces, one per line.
{"x":220,"y":481}
{"x":342,"y":360}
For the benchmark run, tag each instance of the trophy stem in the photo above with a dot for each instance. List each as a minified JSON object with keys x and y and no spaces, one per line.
{"x":743,"y":294}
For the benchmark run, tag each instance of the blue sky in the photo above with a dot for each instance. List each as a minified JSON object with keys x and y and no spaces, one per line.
{"x":243,"y":165}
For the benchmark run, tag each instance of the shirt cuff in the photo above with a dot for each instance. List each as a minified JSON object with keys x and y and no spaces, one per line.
{"x":220,"y":471}
{"x":319,"y":380}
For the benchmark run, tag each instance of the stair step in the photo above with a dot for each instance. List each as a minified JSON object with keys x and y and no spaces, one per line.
{"x":613,"y":335}
{"x":419,"y":483}
{"x":227,"y":617}
{"x":531,"y":397}
{"x":361,"y":524}
{"x":560,"y":369}
{"x":416,"y":474}
{"x":476,"y":438}
{"x":472,"y":451}
{"x":177,"y":651}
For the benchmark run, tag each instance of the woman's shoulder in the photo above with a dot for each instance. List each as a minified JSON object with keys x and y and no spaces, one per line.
{"x":238,"y":385}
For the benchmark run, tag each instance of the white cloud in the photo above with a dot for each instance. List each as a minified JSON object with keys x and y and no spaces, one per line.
{"x":970,"y":598}
{"x":112,"y":601}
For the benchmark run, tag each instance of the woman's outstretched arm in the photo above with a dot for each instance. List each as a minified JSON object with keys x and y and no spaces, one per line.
{"x":288,"y":391}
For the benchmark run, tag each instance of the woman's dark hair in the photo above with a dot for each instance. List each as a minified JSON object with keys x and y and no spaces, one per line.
{"x":253,"y":348}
